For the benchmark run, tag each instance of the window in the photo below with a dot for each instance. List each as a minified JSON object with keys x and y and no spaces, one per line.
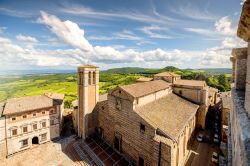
{"x":43,"y":124}
{"x":52,"y":111}
{"x":118,"y":104}
{"x":25,"y":143}
{"x":94,"y":78}
{"x":34,"y":114}
{"x":14,"y":132}
{"x":34,"y":126}
{"x":24,"y":116}
{"x":141,"y":161}
{"x":13,"y":118}
{"x":25,"y":129}
{"x":89,"y":78}
{"x":43,"y":112}
{"x":180,"y":92}
{"x":142,"y":128}
{"x":44,"y":137}
{"x":52,"y":122}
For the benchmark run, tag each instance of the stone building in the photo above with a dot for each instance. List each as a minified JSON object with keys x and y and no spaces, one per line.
{"x":170,"y":77}
{"x":150,"y":122}
{"x":239,"y":123}
{"x":27,"y":121}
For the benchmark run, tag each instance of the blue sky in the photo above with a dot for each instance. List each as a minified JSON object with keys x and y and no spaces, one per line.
{"x":118,"y":33}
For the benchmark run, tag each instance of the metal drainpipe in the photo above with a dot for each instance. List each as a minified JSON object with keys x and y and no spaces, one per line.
{"x":159,"y":160}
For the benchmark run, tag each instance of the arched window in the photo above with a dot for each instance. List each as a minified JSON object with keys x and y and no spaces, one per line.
{"x":89,"y":78}
{"x":94,"y":78}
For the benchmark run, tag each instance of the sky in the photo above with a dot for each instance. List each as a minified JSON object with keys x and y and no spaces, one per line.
{"x":55,"y":34}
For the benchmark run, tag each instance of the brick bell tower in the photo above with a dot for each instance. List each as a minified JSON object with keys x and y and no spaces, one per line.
{"x":88,"y":96}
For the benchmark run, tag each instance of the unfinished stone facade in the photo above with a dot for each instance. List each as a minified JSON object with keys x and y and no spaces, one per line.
{"x":239,"y":125}
{"x":149,"y":122}
{"x":30,"y":120}
{"x":139,"y":131}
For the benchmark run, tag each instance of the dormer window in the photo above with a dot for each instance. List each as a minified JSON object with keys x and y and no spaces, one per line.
{"x":13,"y":118}
{"x":118,"y":104}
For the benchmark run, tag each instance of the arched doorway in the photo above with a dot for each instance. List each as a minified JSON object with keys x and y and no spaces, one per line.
{"x":35,"y":140}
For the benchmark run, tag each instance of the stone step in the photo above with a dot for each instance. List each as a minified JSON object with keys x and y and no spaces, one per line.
{"x":83,"y":157}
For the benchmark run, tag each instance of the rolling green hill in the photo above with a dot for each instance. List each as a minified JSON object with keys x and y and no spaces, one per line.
{"x":28,"y":85}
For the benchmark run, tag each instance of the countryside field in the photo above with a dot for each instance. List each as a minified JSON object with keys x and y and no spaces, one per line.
{"x":29,"y":85}
{"x":17,"y":86}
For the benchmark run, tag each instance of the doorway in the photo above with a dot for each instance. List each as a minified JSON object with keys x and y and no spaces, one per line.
{"x":117,"y":143}
{"x":35,"y":141}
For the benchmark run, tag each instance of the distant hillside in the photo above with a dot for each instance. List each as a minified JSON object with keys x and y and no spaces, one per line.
{"x":138,"y":70}
{"x":213,"y":70}
{"x":126,"y":70}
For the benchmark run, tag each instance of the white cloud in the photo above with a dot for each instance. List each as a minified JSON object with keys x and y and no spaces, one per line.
{"x":154,"y":30}
{"x":118,"y":14}
{"x":28,"y":39}
{"x":225,"y":26}
{"x":68,"y":31}
{"x":193,"y":12}
{"x":15,"y":13}
{"x":12,"y":54}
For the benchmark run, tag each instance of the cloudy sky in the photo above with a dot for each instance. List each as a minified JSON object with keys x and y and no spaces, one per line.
{"x":117,"y":33}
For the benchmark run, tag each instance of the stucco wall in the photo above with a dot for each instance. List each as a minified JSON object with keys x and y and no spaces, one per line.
{"x":14,"y":143}
{"x":2,"y":138}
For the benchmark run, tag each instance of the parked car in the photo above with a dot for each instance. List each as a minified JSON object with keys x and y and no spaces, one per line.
{"x":200,"y":137}
{"x":216,"y":138}
{"x":215,"y":157}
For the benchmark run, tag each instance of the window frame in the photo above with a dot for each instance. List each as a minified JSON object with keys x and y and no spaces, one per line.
{"x":33,"y":126}
{"x":43,"y":123}
{"x":24,"y":128}
{"x":13,"y":118}
{"x":42,"y":137}
{"x":14,"y":129}
{"x":25,"y":145}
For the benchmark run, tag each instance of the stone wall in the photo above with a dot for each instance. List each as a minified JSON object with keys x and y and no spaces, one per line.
{"x":2,"y":138}
{"x":240,"y":67}
{"x":125,"y":123}
{"x":247,"y":92}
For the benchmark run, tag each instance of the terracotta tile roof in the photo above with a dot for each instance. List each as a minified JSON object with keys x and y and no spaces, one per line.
{"x":28,"y":103}
{"x":103,"y":97}
{"x":56,"y":96}
{"x":169,"y":114}
{"x":145,"y":88}
{"x":167,"y":74}
{"x":144,"y":79}
{"x":190,"y":83}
